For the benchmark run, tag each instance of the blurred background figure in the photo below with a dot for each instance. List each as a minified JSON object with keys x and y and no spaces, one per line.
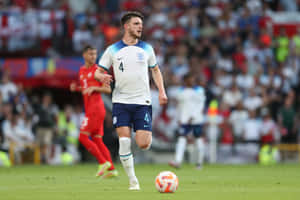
{"x":46,"y":126}
{"x":17,"y":135}
{"x":190,"y":105}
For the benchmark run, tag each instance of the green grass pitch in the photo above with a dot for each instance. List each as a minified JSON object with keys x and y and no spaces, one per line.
{"x":213,"y":182}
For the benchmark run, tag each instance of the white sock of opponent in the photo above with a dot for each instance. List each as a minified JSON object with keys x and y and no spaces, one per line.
{"x":201,"y":150}
{"x":180,"y":148}
{"x":126,"y":156}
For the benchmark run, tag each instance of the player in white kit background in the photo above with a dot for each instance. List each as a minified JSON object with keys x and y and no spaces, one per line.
{"x":131,"y":60}
{"x":190,"y":106}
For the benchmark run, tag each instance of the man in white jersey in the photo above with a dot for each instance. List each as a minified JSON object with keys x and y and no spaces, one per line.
{"x":131,"y":58}
{"x":190,"y":107}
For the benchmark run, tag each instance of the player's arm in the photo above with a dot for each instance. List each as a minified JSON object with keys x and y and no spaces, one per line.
{"x":74,"y":87}
{"x":102,"y":76}
{"x":104,"y":64}
{"x":101,"y":89}
{"x":159,"y":82}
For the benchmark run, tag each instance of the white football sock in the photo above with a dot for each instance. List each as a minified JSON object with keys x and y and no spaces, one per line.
{"x":201,"y":150}
{"x":126,"y":156}
{"x":180,"y":148}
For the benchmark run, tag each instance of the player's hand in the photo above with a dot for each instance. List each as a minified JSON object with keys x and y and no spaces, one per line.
{"x":89,"y":90}
{"x":163,"y":99}
{"x":104,"y":78}
{"x":73,"y":87}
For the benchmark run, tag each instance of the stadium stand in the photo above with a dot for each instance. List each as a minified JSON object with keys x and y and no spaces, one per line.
{"x":246,"y":55}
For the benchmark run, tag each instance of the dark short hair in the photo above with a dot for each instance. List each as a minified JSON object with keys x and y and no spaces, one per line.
{"x":128,"y":15}
{"x":88,"y":47}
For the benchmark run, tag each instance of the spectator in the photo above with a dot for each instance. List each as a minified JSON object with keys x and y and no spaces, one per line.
{"x":82,"y":37}
{"x":67,"y":134}
{"x":269,"y":131}
{"x":282,"y":44}
{"x":251,"y":136}
{"x":46,"y":126}
{"x":8,"y":88}
{"x":233,"y":96}
{"x":253,"y":101}
{"x":237,"y":118}
{"x":17,"y":135}
{"x":286,"y":120}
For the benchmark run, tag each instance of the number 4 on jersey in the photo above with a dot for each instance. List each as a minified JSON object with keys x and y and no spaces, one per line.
{"x":121,"y":67}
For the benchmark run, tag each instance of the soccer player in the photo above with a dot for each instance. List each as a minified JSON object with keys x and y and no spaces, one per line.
{"x":131,"y":58}
{"x":92,"y":125}
{"x":190,"y":105}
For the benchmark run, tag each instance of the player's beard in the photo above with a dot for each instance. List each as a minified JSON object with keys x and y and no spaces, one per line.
{"x":90,"y":62}
{"x":134,"y":35}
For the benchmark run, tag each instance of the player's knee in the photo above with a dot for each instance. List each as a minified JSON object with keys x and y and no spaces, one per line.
{"x":143,"y":139}
{"x":145,"y":145}
{"x":148,"y":146}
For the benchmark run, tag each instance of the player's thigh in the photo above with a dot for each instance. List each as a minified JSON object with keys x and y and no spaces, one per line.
{"x":98,"y":124}
{"x":143,"y":138}
{"x":198,"y":130}
{"x":142,"y":118}
{"x":121,"y":116}
{"x":184,"y":130}
{"x":88,"y":126}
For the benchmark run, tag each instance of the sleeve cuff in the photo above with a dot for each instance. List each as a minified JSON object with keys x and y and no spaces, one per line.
{"x":103,"y":67}
{"x":152,"y":66}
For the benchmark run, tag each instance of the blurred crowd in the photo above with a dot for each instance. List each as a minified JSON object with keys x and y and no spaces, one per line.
{"x":230,"y":47}
{"x":28,"y":121}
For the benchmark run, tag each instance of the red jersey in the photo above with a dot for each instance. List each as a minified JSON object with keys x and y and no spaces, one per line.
{"x":93,"y":103}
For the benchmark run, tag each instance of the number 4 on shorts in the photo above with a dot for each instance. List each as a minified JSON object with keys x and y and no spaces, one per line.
{"x":147,"y":117}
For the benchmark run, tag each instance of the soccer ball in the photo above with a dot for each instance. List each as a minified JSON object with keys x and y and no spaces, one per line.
{"x":166,"y":182}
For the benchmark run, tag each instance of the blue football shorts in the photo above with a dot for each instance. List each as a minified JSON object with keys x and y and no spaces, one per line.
{"x":139,"y":117}
{"x":185,"y":129}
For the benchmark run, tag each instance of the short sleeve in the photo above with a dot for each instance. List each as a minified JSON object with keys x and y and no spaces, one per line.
{"x":152,"y":58}
{"x":106,"y":60}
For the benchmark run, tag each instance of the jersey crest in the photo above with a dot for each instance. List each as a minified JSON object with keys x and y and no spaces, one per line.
{"x":140,"y":56}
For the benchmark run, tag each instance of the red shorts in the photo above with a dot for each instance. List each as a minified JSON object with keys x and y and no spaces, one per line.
{"x":92,"y":125}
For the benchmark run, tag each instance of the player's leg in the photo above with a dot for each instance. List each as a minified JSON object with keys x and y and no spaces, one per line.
{"x":126,"y":156}
{"x":112,"y":172}
{"x":98,"y":139}
{"x":143,"y":139}
{"x":103,"y":149}
{"x":142,"y":124}
{"x":91,"y":147}
{"x":122,"y":123}
{"x":200,"y":145}
{"x":180,"y":146}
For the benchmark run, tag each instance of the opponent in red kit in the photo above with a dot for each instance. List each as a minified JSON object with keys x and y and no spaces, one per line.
{"x":92,"y":125}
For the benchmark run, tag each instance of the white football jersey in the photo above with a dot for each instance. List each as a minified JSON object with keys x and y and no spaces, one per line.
{"x":190,"y":105}
{"x":130,"y":65}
